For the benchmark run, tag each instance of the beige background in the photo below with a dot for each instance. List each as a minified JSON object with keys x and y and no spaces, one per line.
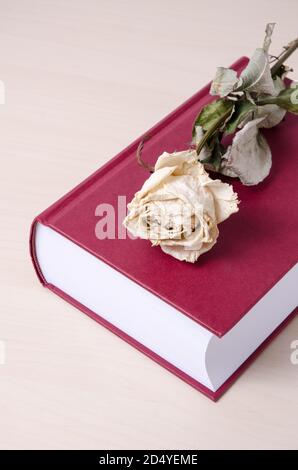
{"x":84,"y":78}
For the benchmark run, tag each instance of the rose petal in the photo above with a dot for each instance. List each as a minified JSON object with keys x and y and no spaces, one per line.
{"x":190,"y":251}
{"x":225,"y":199}
{"x":155,"y":180}
{"x":182,"y":161}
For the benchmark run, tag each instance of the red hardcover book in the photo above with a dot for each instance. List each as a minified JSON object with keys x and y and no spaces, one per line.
{"x":205,"y":322}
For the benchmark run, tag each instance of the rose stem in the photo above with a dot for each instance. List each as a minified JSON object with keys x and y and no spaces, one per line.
{"x":211,"y":130}
{"x":289,"y":49}
{"x":139,"y":155}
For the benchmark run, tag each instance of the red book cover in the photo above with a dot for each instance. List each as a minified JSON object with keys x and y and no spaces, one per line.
{"x":256,"y":247}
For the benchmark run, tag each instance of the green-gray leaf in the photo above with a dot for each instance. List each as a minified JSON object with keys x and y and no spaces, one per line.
{"x":242,"y":109}
{"x":212,"y":113}
{"x":288,"y":99}
{"x":213,"y":161}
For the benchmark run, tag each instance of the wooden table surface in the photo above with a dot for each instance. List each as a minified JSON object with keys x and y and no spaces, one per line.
{"x":82,"y":79}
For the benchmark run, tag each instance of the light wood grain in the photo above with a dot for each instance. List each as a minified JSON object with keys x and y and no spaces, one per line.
{"x":84,"y":78}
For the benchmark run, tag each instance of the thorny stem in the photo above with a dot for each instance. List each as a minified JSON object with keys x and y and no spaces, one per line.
{"x":289,"y":49}
{"x":139,"y":155}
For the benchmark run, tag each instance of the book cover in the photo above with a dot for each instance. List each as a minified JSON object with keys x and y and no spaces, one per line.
{"x":255,"y":249}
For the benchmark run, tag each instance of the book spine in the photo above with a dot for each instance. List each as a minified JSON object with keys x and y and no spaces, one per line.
{"x":33,"y":255}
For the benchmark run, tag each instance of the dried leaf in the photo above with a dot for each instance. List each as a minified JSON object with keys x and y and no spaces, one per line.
{"x":242,"y":110}
{"x":269,"y":31}
{"x":216,"y":151}
{"x":212,"y":112}
{"x":249,"y":156}
{"x":224,"y":82}
{"x":288,"y":99}
{"x":256,"y":77}
{"x":272,"y":113}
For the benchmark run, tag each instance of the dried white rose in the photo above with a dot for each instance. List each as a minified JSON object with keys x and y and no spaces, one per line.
{"x":180,"y":206}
